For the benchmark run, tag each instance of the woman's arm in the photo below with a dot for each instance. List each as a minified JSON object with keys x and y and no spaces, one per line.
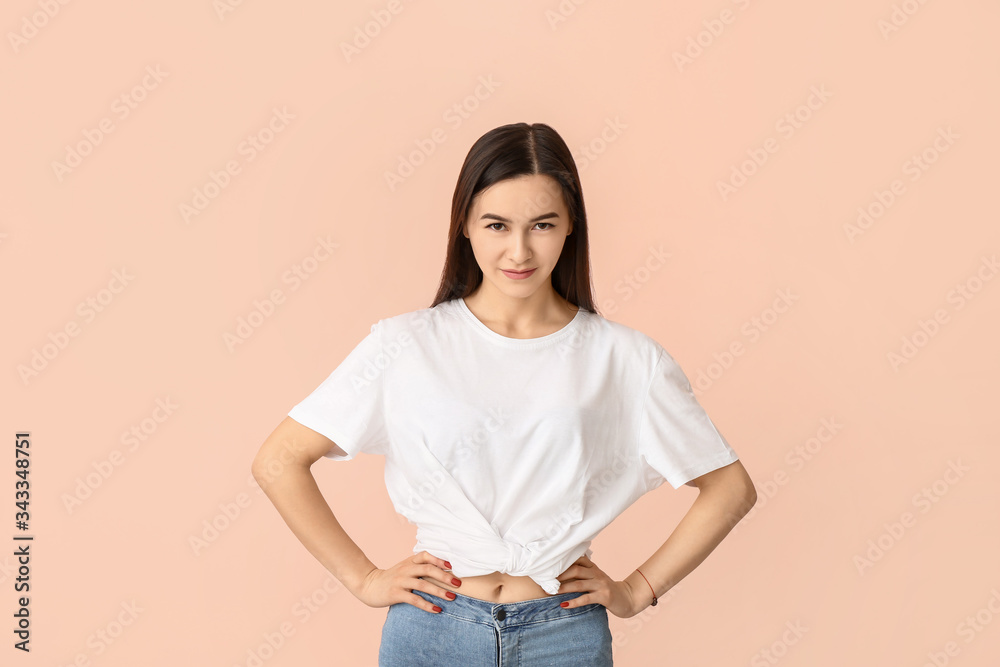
{"x":281,"y":468}
{"x":725,"y":495}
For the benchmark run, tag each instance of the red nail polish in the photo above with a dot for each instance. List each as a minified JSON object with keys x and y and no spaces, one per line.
{"x":447,"y":565}
{"x":564,"y":604}
{"x":455,"y":582}
{"x":437,"y":609}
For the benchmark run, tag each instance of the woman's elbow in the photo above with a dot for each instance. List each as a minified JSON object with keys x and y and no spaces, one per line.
{"x":747,"y":491}
{"x":750,"y":495}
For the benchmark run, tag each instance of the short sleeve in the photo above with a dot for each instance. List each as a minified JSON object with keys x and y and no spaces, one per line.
{"x":348,"y":406}
{"x":677,"y":441}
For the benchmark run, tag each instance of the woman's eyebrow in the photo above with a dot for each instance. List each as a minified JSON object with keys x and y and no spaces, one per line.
{"x":543,"y":216}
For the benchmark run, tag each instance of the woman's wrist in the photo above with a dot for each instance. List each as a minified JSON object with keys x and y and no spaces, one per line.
{"x":642,"y":592}
{"x":354,"y":577}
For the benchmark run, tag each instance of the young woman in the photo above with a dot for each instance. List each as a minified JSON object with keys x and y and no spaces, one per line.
{"x":516,"y":423}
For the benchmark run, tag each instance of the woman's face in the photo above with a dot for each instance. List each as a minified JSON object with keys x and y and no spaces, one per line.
{"x":518,"y":224}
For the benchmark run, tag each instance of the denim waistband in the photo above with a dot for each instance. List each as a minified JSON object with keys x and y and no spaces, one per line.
{"x":508,"y":614}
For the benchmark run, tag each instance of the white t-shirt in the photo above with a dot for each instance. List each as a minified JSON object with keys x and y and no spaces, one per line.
{"x":511,"y":455}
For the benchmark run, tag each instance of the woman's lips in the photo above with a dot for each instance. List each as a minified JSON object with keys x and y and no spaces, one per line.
{"x":514,"y":275}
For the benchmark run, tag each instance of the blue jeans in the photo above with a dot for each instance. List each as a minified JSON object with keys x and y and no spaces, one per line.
{"x":470,"y":632}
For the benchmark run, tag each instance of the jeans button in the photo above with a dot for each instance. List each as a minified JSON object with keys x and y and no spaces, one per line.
{"x":501,"y":615}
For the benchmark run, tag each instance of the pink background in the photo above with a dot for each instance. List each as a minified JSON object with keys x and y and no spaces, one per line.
{"x":653,"y":139}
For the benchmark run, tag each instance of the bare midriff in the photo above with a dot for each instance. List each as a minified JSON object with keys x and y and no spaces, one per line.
{"x":496,"y":587}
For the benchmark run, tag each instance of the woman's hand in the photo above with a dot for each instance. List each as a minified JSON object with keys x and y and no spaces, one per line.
{"x":584,"y":575}
{"x":381,"y":588}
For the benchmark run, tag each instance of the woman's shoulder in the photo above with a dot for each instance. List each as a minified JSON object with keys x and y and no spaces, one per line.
{"x":630,"y":337}
{"x":420,"y":320}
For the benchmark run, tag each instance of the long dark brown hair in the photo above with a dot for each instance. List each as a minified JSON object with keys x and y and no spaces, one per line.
{"x":506,"y":152}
